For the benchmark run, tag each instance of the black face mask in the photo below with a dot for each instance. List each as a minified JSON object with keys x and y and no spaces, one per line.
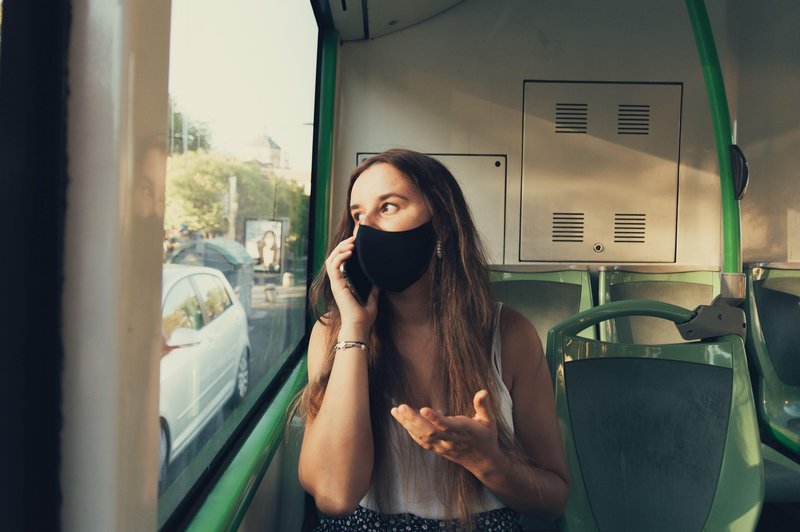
{"x":395,"y":260}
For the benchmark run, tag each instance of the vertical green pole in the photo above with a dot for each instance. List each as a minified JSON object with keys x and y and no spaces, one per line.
{"x":324,"y":176}
{"x":718,"y":101}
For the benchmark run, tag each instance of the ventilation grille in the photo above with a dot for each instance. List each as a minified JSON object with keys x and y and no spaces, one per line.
{"x":633,"y":119}
{"x":572,"y":117}
{"x":568,"y":226}
{"x":629,"y":228}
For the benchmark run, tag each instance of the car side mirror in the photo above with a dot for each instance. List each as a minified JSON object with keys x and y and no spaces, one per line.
{"x":183,"y":337}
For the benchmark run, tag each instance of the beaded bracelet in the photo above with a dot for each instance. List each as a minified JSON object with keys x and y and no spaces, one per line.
{"x":348,"y":344}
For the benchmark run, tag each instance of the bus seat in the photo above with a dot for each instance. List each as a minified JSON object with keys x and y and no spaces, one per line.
{"x":658,"y":437}
{"x":545,"y":297}
{"x":773,"y":341}
{"x":686,"y":289}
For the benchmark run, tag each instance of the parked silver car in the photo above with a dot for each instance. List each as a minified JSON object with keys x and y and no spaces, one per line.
{"x":205,"y":358}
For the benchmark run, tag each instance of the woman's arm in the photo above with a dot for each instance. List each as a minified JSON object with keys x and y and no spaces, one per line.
{"x":541,"y":487}
{"x":336,"y":457}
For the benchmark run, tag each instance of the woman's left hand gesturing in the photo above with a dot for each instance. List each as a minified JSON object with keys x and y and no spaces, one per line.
{"x":468,"y":441}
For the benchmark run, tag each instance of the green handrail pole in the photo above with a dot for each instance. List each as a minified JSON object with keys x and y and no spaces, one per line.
{"x":324,"y":176}
{"x":720,"y":118}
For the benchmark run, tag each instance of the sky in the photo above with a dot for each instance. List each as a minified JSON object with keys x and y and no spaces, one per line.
{"x":246,"y":68}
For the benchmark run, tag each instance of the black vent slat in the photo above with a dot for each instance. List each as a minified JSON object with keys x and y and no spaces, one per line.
{"x":630,"y":228}
{"x":572,"y":117}
{"x":633,"y":119}
{"x":568,"y":227}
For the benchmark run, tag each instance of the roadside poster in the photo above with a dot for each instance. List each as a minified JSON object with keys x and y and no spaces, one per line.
{"x":263,"y":240}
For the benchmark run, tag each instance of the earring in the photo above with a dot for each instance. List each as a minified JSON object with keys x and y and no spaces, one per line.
{"x":438,"y":249}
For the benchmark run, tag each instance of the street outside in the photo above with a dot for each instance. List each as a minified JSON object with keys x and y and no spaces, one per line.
{"x":276,"y":324}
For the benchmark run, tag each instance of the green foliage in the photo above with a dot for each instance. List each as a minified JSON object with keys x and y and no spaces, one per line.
{"x":197,"y":135}
{"x":197,"y":196}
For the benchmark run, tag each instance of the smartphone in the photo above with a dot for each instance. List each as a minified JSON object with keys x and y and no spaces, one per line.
{"x":356,"y":279}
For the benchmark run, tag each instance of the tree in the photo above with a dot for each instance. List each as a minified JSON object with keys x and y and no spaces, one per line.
{"x":197,"y":195}
{"x":197,"y":136}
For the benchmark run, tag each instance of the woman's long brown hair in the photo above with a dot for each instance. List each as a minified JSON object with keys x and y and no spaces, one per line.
{"x":462,"y":310}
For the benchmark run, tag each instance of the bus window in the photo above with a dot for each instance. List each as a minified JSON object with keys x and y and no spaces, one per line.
{"x":241,"y":105}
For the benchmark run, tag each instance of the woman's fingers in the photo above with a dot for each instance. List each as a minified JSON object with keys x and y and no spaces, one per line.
{"x":342,"y":252}
{"x":333,"y":264}
{"x":429,"y":429}
{"x":422,"y":430}
{"x":434,"y":418}
{"x":467,"y":441}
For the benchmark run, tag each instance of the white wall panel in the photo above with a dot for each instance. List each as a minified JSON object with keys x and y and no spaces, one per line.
{"x":482,"y":178}
{"x":454,"y":84}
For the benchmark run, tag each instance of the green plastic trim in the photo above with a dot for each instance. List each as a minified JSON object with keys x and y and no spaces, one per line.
{"x":608,"y":278}
{"x":329,"y":45}
{"x":226,"y":505}
{"x":707,"y":277}
{"x":762,"y":272}
{"x":740,"y":487}
{"x":720,"y":118}
{"x":773,"y":394}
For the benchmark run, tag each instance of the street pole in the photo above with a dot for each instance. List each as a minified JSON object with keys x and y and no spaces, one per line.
{"x":233,"y":207}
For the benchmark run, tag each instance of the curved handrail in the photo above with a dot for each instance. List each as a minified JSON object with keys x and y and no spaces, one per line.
{"x":618,"y":309}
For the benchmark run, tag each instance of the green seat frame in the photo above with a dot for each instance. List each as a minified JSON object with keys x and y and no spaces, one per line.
{"x":779,"y":402}
{"x":686,"y":289}
{"x":735,"y":496}
{"x":538,"y":297}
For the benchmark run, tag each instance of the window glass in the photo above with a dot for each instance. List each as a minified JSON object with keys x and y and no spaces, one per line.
{"x":213,"y":295}
{"x":241,"y":106}
{"x":181,"y":309}
{"x":218,"y":261}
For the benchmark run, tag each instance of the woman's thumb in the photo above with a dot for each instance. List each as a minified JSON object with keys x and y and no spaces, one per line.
{"x":482,"y":407}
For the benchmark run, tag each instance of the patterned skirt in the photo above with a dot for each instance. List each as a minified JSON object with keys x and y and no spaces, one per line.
{"x":365,"y":520}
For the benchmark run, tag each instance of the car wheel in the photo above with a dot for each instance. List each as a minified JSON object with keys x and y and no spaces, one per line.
{"x":163,"y":458}
{"x":242,"y":377}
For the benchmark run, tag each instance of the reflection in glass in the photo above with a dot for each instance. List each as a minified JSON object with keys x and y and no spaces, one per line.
{"x":215,"y":298}
{"x":181,"y":309}
{"x":242,"y":84}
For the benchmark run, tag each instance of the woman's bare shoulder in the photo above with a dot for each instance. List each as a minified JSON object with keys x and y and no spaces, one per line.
{"x":522,"y":346}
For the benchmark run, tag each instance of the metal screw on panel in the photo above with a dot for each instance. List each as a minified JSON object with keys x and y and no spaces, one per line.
{"x":598,"y":248}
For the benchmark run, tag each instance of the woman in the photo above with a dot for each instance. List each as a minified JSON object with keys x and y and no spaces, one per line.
{"x":408,"y":410}
{"x":268,"y":250}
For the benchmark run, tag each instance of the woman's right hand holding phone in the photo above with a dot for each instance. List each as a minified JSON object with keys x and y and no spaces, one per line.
{"x":357,"y":319}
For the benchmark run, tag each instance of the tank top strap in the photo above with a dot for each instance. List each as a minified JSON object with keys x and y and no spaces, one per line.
{"x":506,"y":403}
{"x":497,"y":347}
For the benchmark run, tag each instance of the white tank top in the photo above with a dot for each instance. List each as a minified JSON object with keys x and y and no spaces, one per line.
{"x":416,"y":491}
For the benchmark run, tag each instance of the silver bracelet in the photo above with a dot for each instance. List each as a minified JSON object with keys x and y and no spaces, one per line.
{"x":348,"y":344}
